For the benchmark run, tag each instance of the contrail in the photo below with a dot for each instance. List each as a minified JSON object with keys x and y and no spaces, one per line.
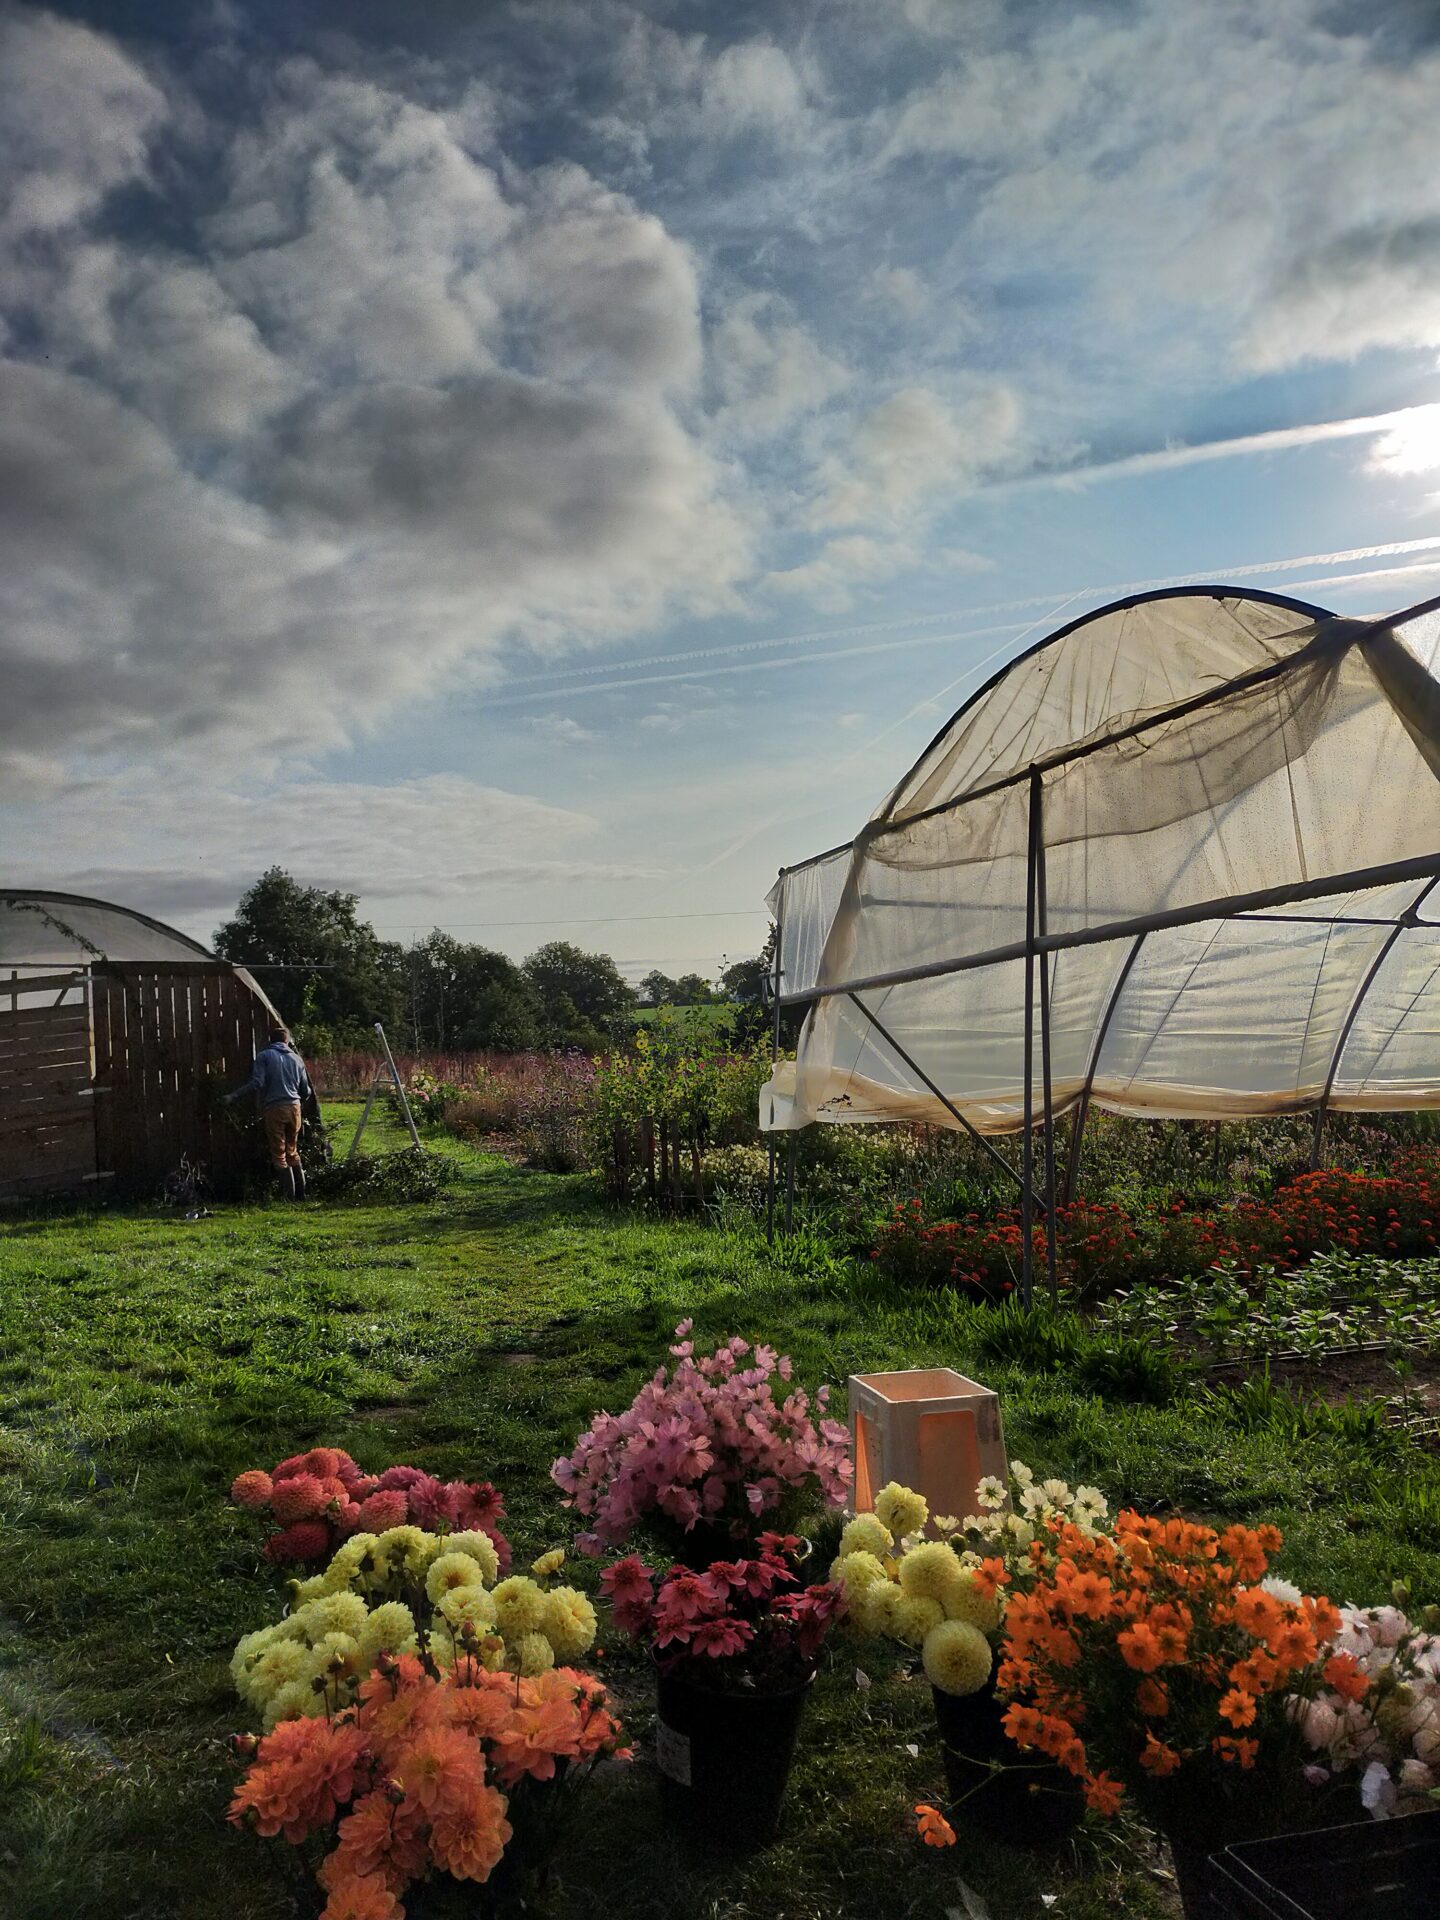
{"x":623,"y":676}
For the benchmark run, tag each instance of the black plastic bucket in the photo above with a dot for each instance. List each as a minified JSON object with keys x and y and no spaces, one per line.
{"x":724,"y":1759}
{"x":1016,"y":1794}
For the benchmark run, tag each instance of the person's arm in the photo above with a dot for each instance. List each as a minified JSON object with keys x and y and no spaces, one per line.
{"x":252,"y":1085}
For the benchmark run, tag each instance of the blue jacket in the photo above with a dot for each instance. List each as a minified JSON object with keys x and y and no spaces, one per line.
{"x":278,"y":1076}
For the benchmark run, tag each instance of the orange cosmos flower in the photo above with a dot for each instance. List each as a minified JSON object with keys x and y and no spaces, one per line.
{"x":1343,"y":1674}
{"x":1238,"y":1708}
{"x":1102,"y":1794}
{"x":1140,"y":1648}
{"x":1151,"y":1698}
{"x":933,"y":1828}
{"x":1236,"y":1751}
{"x":1158,"y":1759}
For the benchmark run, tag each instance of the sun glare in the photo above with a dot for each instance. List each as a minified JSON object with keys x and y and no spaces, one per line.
{"x":1412,"y":445}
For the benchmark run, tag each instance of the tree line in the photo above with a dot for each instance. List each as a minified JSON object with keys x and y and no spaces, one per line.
{"x":332,"y":977}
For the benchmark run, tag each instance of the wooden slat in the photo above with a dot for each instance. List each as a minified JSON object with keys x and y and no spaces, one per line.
{"x":19,"y":983}
{"x":31,"y":1024}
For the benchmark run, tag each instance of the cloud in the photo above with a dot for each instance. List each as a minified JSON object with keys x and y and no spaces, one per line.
{"x":857,"y":560}
{"x":557,"y":726}
{"x":413,"y":837}
{"x":768,"y":369}
{"x":396,"y":407}
{"x":1261,"y":183}
{"x":76,"y":122}
{"x":1373,"y":286}
{"x":916,"y":447}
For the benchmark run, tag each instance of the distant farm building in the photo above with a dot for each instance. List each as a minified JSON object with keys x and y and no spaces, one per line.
{"x":115,"y":1034}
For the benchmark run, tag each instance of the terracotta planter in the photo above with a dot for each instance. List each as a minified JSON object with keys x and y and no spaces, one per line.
{"x":725,"y":1759}
{"x":1015,"y":1795}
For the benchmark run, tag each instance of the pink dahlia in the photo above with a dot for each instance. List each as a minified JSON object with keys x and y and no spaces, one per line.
{"x":300,"y":1497}
{"x":252,"y":1490}
{"x":307,"y":1540}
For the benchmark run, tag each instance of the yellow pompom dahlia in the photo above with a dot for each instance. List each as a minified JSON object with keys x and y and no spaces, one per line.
{"x":532,"y":1653}
{"x":568,"y":1623}
{"x":866,"y":1533}
{"x":481,"y":1549}
{"x":912,"y":1617}
{"x":519,"y":1606}
{"x":956,"y":1657}
{"x":927,"y":1570}
{"x":449,"y":1571}
{"x":857,"y":1571}
{"x":901,"y":1510}
{"x":963,"y":1600}
{"x":389,"y":1629}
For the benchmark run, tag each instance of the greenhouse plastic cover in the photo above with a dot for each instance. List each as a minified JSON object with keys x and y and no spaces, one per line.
{"x":1239,"y":838}
{"x":65,"y":929}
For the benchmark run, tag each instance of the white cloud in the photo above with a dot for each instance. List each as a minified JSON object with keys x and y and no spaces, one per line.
{"x":76,"y":121}
{"x":561,"y":727}
{"x":916,"y":448}
{"x":768,"y":370}
{"x":851,"y":561}
{"x":441,"y":836}
{"x":447,"y":393}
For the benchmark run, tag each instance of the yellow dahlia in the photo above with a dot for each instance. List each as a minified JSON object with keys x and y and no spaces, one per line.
{"x":389,"y":1629}
{"x":519,"y":1606}
{"x":912,"y":1618}
{"x":956,"y":1657}
{"x":481,"y":1549}
{"x":866,"y":1534}
{"x":963,"y":1600}
{"x":568,"y":1623}
{"x":530,"y":1654}
{"x":927,"y":1570}
{"x":901,"y":1510}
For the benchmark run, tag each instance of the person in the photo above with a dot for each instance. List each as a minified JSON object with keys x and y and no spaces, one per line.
{"x":280,"y":1079}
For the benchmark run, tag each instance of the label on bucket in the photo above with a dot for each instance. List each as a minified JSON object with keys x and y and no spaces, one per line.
{"x":672,"y":1753}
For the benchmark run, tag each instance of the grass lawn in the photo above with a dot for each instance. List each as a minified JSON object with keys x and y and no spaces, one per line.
{"x":145,"y":1360}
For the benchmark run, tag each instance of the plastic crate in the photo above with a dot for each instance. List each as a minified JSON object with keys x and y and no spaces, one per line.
{"x":1371,"y":1870}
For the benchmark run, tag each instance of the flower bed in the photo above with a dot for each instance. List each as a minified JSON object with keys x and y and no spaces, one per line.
{"x":1100,"y":1247}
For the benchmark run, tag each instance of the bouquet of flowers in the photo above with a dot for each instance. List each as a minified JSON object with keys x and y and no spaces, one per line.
{"x":1157,"y":1661}
{"x":706,"y":1441}
{"x":426,"y":1773}
{"x":404,"y":1592}
{"x":740,"y":1626}
{"x":1378,"y":1711}
{"x":945,"y":1597}
{"x":321,"y":1498}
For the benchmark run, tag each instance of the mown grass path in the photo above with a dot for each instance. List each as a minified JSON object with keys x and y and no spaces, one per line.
{"x":145,"y":1360}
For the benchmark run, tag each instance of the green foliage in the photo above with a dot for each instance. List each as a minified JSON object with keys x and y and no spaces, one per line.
{"x":144,"y":1360}
{"x":656,"y":1107}
{"x":409,"y":1177}
{"x":582,"y":997}
{"x":282,"y":929}
{"x":1130,"y":1369}
{"x":1030,"y":1337}
{"x":466,"y":997}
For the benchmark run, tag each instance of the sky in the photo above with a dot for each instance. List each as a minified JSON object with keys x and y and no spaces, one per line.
{"x":542,"y":467}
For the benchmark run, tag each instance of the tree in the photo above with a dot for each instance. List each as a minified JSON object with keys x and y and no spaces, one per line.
{"x":693,"y":991}
{"x":469,"y":997}
{"x":327,"y":971}
{"x":657,"y":990}
{"x":584,"y":1000}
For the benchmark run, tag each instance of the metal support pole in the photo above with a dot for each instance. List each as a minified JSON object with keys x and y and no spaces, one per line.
{"x":1027,"y":1157}
{"x":925,"y":1080}
{"x":1082,"y":1111}
{"x":774,"y":1056}
{"x":790,"y":1180}
{"x":1052,"y":1267}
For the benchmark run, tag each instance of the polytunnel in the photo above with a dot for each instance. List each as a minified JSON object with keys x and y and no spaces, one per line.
{"x":1178,"y":860}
